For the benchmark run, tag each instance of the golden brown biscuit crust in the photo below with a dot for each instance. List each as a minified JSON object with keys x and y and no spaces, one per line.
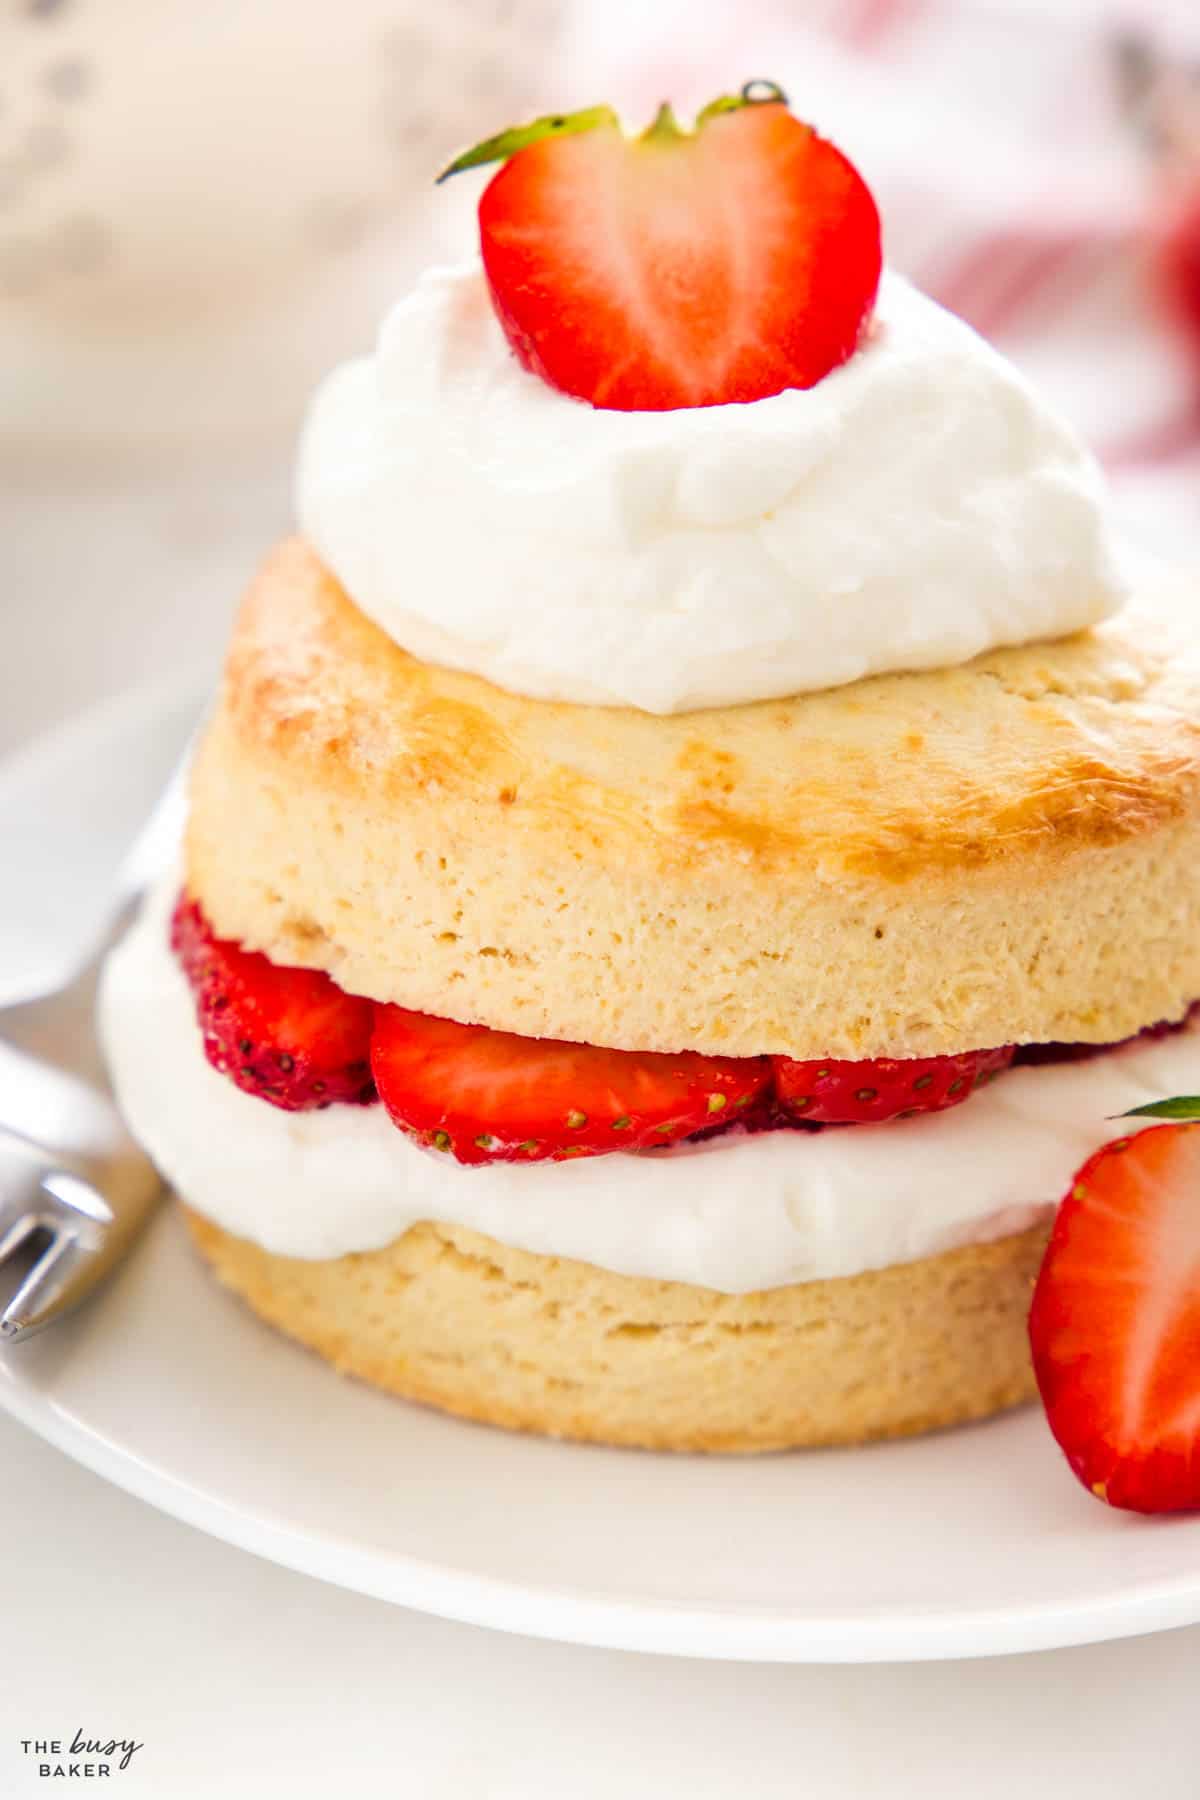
{"x":912,"y":865}
{"x":535,"y":1343}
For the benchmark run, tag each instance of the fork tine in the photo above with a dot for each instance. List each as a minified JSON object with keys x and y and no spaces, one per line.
{"x":35,"y":1296}
{"x":38,"y":1197}
{"x":15,"y":1230}
{"x":20,"y":1186}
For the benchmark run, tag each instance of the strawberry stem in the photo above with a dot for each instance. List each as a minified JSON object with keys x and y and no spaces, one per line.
{"x":665,"y":127}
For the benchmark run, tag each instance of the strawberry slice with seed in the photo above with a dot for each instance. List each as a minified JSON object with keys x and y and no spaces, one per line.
{"x":865,"y":1093}
{"x":1115,"y":1321}
{"x":678,"y":268}
{"x":490,"y":1096}
{"x":290,"y":1036}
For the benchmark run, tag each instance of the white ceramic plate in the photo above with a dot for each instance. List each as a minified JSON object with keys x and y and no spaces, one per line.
{"x":965,"y":1544}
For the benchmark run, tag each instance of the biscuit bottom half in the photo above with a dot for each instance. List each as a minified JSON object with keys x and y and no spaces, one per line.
{"x":455,"y":1320}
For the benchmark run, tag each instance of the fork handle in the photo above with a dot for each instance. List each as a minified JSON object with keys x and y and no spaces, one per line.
{"x":59,"y":1026}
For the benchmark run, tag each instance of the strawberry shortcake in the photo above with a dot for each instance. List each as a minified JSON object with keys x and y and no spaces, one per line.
{"x":696,"y":835}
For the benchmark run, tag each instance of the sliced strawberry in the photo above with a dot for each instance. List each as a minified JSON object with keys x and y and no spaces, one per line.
{"x":288,"y":1035}
{"x":862,"y":1093}
{"x":1115,"y":1324}
{"x":490,"y":1096}
{"x":677,"y":268}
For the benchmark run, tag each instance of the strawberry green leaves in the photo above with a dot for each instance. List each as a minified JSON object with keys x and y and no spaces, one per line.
{"x":592,"y":118}
{"x":520,"y":137}
{"x":1183,"y":1106}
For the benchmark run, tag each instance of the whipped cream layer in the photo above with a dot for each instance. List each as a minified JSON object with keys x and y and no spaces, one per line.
{"x":736,"y":1213}
{"x":918,"y":506}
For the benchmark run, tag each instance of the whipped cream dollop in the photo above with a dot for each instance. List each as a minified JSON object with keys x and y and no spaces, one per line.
{"x":735,"y":1213}
{"x":918,"y":506}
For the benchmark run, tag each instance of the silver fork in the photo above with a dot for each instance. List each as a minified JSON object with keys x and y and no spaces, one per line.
{"x":75,"y":1190}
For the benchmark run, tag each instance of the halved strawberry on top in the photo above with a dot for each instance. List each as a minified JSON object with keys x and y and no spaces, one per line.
{"x":492,"y":1096}
{"x":678,"y":268}
{"x":286,"y":1035}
